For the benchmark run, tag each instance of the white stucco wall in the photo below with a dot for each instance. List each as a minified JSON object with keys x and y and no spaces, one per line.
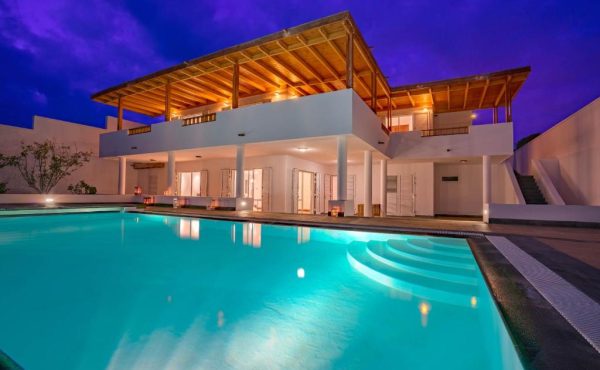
{"x":492,"y":139}
{"x":570,"y":153}
{"x":465,"y":196}
{"x":101,"y":173}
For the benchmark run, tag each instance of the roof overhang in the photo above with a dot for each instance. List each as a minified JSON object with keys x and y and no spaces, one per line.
{"x":303,"y":60}
{"x":306,"y":59}
{"x":460,"y":94}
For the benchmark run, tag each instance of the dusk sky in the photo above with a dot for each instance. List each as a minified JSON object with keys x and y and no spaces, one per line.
{"x":56,"y":53}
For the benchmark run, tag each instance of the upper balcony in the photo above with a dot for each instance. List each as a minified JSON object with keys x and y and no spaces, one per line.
{"x":453,"y":142}
{"x":340,"y":112}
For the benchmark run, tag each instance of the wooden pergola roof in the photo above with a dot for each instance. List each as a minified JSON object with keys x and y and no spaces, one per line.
{"x":307,"y":59}
{"x":460,"y":94}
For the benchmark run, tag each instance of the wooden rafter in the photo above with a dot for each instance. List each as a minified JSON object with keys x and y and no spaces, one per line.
{"x":465,"y":98}
{"x":485,"y":89}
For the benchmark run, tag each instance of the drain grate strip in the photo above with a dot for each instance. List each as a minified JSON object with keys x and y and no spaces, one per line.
{"x":578,"y":309}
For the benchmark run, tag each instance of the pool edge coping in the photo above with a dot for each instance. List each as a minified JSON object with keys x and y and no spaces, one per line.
{"x":538,"y":330}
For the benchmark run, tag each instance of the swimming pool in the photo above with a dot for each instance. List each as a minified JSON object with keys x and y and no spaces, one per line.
{"x":136,"y":291}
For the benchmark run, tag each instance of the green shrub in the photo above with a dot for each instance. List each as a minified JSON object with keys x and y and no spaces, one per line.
{"x":3,"y":188}
{"x":82,"y":188}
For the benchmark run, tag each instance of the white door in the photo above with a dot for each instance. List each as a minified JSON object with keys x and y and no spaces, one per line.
{"x":266,"y":189}
{"x":295,"y":179}
{"x":327,"y":191}
{"x":227,"y":183}
{"x":393,"y":196}
{"x":407,"y":195}
{"x":306,"y":192}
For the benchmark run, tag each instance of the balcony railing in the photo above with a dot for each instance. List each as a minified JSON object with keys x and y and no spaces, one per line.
{"x":203,"y":118}
{"x":445,"y":131}
{"x":139,"y":130}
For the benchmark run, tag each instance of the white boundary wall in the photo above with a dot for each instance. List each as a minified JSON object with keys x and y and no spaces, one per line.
{"x":570,"y":154}
{"x":544,"y":212}
{"x":101,"y":173}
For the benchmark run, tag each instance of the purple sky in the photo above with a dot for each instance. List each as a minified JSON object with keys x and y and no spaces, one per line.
{"x":56,"y":53}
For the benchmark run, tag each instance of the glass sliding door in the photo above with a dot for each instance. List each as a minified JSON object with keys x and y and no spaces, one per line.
{"x":192,"y":184}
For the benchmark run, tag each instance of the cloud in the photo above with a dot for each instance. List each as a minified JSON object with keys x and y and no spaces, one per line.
{"x":88,"y":43}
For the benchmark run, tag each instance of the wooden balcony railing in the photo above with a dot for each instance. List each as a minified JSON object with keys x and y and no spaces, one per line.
{"x":203,"y":118}
{"x":139,"y":130}
{"x":385,"y":129}
{"x":445,"y":131}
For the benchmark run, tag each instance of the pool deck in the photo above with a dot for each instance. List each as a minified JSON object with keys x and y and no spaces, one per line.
{"x":545,"y":338}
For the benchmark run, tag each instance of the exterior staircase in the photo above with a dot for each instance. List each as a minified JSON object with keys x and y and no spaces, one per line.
{"x":529,"y":188}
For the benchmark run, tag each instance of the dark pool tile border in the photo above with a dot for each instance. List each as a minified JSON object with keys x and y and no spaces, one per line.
{"x":575,"y":224}
{"x":544,"y":339}
{"x":59,"y":214}
{"x":7,"y":363}
{"x":322,"y":225}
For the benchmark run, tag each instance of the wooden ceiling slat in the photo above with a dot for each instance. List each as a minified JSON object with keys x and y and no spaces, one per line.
{"x":279,"y":75}
{"x":204,"y":94}
{"x":246,"y":67}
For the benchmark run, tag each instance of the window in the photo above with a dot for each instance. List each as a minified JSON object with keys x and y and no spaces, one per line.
{"x":192,"y":184}
{"x":402,"y":123}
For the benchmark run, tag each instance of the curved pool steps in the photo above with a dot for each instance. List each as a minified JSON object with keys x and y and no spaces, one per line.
{"x":380,"y":252}
{"x":425,"y":287}
{"x":403,"y":249}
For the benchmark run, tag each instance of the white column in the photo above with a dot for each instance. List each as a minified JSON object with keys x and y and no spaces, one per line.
{"x":122,"y":174}
{"x":239,"y":171}
{"x":342,"y":167}
{"x":487,"y":180}
{"x":368,"y":181}
{"x":383,"y":187}
{"x":171,"y":174}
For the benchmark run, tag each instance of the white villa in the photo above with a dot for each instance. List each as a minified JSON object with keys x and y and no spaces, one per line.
{"x":311,"y":121}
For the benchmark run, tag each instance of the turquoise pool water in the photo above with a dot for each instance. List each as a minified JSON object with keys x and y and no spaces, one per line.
{"x":131,"y":291}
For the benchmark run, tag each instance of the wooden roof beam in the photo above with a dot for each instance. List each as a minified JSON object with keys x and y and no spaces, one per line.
{"x":280,"y":76}
{"x":410,"y":98}
{"x":228,"y":80}
{"x":246,"y":67}
{"x":431,"y":96}
{"x":500,"y":95}
{"x":179,"y":91}
{"x":465,"y":98}
{"x":295,"y":72}
{"x":199,"y":91}
{"x":485,"y":89}
{"x":298,"y":58}
{"x":202,"y":85}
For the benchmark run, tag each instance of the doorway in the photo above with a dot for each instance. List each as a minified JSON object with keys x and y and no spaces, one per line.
{"x":401,"y":195}
{"x":257,"y":185}
{"x":305,"y":191}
